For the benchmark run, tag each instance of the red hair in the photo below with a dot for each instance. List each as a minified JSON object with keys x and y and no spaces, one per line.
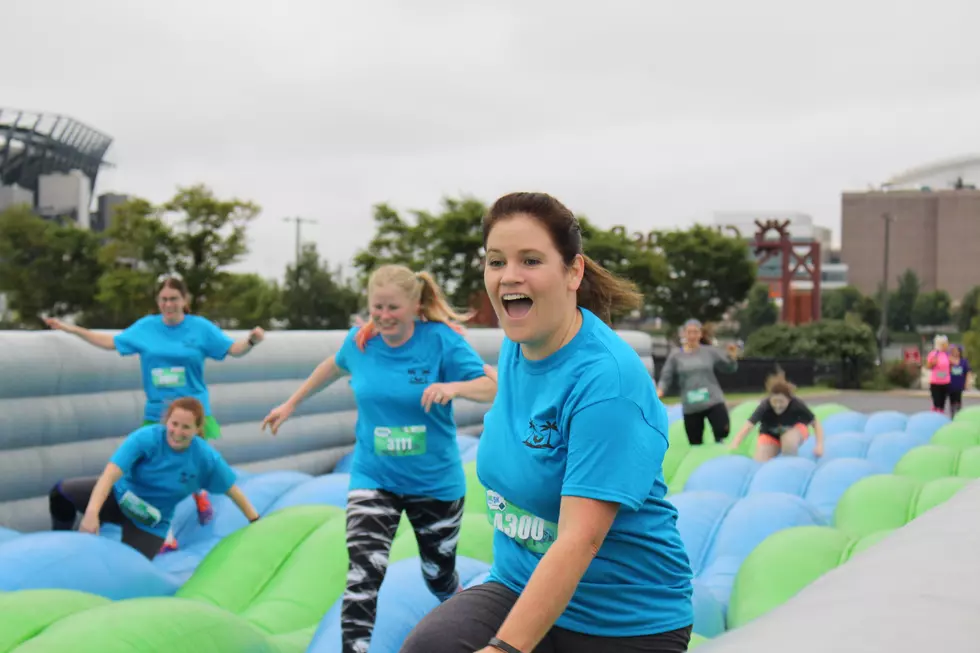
{"x":190,"y":404}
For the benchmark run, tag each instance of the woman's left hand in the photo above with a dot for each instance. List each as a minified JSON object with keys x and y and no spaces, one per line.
{"x":438,"y":393}
{"x":257,"y":335}
{"x":732,"y":350}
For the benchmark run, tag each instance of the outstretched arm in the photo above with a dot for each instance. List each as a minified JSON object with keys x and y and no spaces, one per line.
{"x":238,"y":497}
{"x":101,"y":340}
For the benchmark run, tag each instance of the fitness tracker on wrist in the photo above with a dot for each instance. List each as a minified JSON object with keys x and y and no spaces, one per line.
{"x":498,"y":643}
{"x":252,"y":341}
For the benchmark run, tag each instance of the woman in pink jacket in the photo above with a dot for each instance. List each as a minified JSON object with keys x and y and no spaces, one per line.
{"x":938,"y":363}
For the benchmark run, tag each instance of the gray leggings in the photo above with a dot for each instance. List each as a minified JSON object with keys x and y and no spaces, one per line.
{"x":70,"y":497}
{"x":466,"y":622}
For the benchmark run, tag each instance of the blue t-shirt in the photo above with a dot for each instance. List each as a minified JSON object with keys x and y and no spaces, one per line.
{"x":586,"y":422}
{"x":399,"y":447}
{"x":156,"y":477}
{"x":172,"y":358}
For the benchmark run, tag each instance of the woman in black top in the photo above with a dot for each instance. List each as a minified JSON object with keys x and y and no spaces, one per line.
{"x":783,"y":420}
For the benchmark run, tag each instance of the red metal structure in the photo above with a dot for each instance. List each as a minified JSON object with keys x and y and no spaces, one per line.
{"x":800,"y":262}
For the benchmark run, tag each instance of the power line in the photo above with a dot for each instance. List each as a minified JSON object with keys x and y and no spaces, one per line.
{"x":298,"y":221}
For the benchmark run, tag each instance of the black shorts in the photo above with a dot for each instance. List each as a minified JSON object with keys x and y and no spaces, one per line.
{"x":466,"y":622}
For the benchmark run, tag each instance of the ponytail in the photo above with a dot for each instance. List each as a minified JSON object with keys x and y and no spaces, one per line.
{"x":605,"y":294}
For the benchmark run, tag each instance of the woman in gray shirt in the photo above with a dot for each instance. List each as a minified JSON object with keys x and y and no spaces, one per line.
{"x":693,"y":368}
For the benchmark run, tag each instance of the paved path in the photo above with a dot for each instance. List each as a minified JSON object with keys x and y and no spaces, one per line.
{"x":905,"y":401}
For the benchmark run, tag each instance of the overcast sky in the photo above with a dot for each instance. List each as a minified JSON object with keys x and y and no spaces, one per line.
{"x":645,"y":113}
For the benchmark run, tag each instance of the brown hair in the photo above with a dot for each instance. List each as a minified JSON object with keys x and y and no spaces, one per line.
{"x":601,"y":291}
{"x":417,"y":286}
{"x":189,"y":404}
{"x":176,"y":283}
{"x":777,"y":384}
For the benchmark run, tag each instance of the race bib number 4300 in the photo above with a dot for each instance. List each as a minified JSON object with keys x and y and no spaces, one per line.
{"x":399,"y":440}
{"x":530,"y":531}
{"x":169,"y":377}
{"x":139,"y":510}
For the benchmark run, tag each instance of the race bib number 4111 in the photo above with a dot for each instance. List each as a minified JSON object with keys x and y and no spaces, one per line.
{"x":530,"y":531}
{"x":399,"y":440}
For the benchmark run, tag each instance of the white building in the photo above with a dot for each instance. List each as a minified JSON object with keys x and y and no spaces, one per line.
{"x":15,"y":195}
{"x":65,"y":194}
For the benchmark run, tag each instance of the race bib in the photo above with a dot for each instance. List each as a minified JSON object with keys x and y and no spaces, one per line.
{"x":168,"y":377}
{"x":698,"y":396}
{"x":530,"y":531}
{"x":957,"y":371}
{"x":399,"y":440}
{"x":940,"y":375}
{"x":139,"y":510}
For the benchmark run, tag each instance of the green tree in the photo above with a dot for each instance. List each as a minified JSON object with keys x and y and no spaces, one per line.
{"x":932,"y":309}
{"x":47,"y":268}
{"x":314,"y":297}
{"x":243,"y":301}
{"x":901,"y":302}
{"x":194,"y":235}
{"x":968,"y":309}
{"x":708,"y":273}
{"x":759,"y":311}
{"x":837,"y":303}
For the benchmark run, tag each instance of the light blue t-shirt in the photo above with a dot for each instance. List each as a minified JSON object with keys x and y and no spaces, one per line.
{"x":399,"y":447}
{"x":586,"y":422}
{"x":172,"y":358}
{"x":156,"y":477}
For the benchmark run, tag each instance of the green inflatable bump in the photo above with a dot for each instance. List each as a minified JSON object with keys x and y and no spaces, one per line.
{"x":695,"y":457}
{"x":295,"y":642}
{"x":936,"y":492}
{"x":282,"y":573}
{"x":782,"y":565}
{"x":959,"y":435}
{"x":823,"y":411}
{"x":876,"y":503}
{"x":969,"y":463}
{"x":677,"y":449}
{"x":969,"y":415}
{"x":475,"y":540}
{"x":928,"y":462}
{"x":868,"y":541}
{"x":27,"y":613}
{"x":741,"y":413}
{"x":152,"y":625}
{"x":476,"y":494}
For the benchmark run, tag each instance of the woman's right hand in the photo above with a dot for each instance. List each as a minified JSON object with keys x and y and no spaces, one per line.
{"x":277,"y":416}
{"x":56,"y":324}
{"x":89,"y":524}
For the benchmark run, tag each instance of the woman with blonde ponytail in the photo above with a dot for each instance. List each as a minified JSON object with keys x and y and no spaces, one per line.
{"x":407,"y":363}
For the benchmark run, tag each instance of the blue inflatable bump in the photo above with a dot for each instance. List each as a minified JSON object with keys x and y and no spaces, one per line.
{"x":887,"y":449}
{"x":845,"y":445}
{"x":844,"y":422}
{"x":675,"y":412}
{"x":831,"y":480}
{"x":465,"y":442}
{"x":744,"y":527}
{"x":787,"y":474}
{"x":885,"y":421}
{"x":79,"y":561}
{"x":700,"y":514}
{"x":330,"y":489}
{"x":709,"y":613}
{"x":7,"y":534}
{"x":729,"y":475}
{"x":926,"y":423}
{"x":469,"y":455}
{"x":344,"y":464}
{"x":402,"y":602}
{"x":479,"y":579}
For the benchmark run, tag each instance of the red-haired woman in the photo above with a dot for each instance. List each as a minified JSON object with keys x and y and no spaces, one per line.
{"x":173,"y":347}
{"x":156,"y":467}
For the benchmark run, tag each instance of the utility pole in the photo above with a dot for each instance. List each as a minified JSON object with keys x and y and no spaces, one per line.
{"x":883,"y":331}
{"x":299,"y":222}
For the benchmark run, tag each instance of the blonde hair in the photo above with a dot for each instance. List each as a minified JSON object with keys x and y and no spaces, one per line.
{"x":418,"y":287}
{"x":778,"y":384}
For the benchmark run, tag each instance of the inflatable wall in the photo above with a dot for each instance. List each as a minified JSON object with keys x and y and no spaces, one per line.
{"x":65,"y":406}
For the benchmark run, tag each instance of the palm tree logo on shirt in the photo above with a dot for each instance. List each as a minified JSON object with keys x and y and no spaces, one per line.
{"x":540,"y":439}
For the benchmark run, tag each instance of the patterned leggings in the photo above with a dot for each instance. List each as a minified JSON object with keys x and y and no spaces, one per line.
{"x":372,"y":519}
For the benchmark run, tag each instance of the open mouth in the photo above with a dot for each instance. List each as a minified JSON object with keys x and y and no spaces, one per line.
{"x":517,"y":305}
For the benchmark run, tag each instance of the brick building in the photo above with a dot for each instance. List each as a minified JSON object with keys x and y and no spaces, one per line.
{"x":935,"y":233}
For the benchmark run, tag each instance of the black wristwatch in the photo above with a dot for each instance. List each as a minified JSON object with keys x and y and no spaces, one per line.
{"x":252,"y":341}
{"x":498,"y":643}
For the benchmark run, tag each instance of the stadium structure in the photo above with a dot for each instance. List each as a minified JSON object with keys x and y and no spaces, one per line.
{"x":34,"y":144}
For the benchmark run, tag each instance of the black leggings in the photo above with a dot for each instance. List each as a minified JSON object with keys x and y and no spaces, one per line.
{"x":372,"y":520}
{"x":466,"y":623}
{"x":939,"y":392}
{"x":955,"y":402}
{"x":70,"y":497}
{"x":716,"y":415}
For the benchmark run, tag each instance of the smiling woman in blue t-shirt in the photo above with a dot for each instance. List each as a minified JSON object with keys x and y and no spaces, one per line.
{"x":406,"y":366}
{"x":172,"y":347}
{"x":586,"y":552}
{"x":155,"y":468}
